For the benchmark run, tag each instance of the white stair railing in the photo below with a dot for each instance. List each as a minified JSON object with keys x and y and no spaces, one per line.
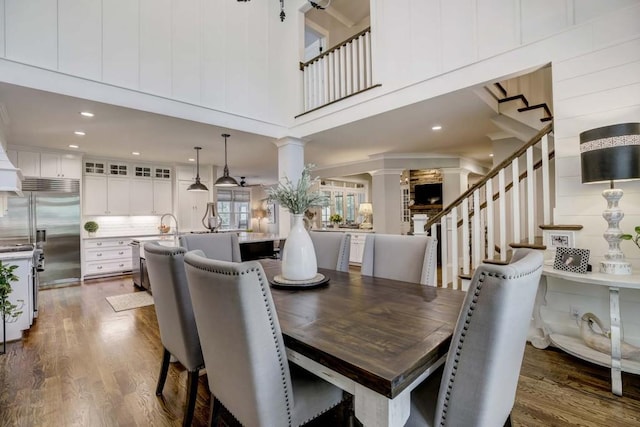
{"x":482,"y":215}
{"x":340,"y":72}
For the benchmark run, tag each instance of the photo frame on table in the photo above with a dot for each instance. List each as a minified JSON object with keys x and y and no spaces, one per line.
{"x":571,"y":259}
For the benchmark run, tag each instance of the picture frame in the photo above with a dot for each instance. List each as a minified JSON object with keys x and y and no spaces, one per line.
{"x":571,"y":259}
{"x":561,"y":239}
{"x":271,"y":213}
{"x":554,"y":239}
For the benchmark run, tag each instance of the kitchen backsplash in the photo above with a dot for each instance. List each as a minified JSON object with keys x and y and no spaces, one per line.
{"x":127,"y":225}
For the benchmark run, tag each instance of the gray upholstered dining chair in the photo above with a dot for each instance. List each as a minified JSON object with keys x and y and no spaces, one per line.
{"x":332,"y":249}
{"x":404,"y":258}
{"x":244,"y":350}
{"x":178,"y":331}
{"x":221,"y":246}
{"x":480,"y":376}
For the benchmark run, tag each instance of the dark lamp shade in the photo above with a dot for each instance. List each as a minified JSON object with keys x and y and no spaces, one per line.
{"x":197,"y":186}
{"x":226,"y":181}
{"x":610,"y":153}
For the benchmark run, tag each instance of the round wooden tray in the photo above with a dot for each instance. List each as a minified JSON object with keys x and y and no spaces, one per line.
{"x":280,"y":282}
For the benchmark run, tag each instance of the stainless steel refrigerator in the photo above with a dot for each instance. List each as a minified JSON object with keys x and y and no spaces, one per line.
{"x":48,"y":216}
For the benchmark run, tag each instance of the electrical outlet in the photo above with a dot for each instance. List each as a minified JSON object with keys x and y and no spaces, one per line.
{"x":574,"y":311}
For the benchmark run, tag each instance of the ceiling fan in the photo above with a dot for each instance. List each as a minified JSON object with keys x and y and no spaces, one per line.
{"x":243,"y":183}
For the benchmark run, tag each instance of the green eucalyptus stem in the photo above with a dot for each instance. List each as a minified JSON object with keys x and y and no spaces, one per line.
{"x":298,"y":197}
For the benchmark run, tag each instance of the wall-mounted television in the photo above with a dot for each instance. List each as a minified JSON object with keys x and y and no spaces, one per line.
{"x":428,"y":194}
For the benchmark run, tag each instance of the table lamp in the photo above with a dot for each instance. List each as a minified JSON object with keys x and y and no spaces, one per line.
{"x":259,"y":214}
{"x":611,"y":153}
{"x":366,"y":209}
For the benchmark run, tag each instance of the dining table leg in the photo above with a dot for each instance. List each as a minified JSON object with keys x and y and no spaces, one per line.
{"x":375,"y":410}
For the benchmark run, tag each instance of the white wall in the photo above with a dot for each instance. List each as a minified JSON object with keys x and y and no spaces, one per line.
{"x":596,"y":87}
{"x":225,"y":56}
{"x":426,"y":48}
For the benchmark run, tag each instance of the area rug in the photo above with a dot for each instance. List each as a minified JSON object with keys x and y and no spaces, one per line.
{"x":129,"y":301}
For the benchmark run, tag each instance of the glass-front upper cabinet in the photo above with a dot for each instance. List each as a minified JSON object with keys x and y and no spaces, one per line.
{"x":344,"y":199}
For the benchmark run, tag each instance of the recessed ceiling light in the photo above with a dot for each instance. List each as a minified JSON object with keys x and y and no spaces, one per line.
{"x":192,"y":160}
{"x":79,"y":133}
{"x":491,"y":155}
{"x":436,"y":127}
{"x":73,"y":146}
{"x":86,"y":114}
{"x":135,"y":153}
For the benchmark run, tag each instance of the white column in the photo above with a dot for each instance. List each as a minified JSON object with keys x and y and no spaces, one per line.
{"x":455,"y":181}
{"x":290,"y":165}
{"x":387,"y":200}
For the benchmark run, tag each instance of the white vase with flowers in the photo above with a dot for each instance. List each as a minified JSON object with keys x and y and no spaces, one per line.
{"x":298,"y":256}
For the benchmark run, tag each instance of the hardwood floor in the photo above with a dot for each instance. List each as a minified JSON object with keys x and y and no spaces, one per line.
{"x":82,"y":364}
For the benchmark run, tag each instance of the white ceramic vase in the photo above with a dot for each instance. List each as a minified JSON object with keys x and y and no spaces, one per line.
{"x":298,"y":256}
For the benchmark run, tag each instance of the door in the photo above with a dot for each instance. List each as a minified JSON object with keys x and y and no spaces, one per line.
{"x":59,"y":215}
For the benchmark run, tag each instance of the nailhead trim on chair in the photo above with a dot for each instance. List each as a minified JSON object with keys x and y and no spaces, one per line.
{"x":342,"y":251}
{"x":433,"y":250}
{"x":271,"y":323}
{"x":275,"y":339}
{"x":459,"y":344}
{"x":465,"y":328}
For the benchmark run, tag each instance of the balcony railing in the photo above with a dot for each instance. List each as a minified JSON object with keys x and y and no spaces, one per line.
{"x":340,"y":72}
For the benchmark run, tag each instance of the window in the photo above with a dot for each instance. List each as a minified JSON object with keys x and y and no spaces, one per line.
{"x":345,"y":198}
{"x":234,"y":209}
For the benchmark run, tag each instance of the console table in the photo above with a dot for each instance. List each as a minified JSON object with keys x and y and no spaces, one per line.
{"x":576,"y":346}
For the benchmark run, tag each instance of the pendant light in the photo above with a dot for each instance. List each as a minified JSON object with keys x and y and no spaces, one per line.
{"x":225,"y":180}
{"x":197,"y":186}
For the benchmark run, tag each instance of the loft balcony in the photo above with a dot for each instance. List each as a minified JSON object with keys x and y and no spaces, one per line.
{"x":339,"y":73}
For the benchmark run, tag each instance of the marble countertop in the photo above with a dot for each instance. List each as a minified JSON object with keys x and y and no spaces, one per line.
{"x":243,"y":237}
{"x":16,"y":255}
{"x":345,"y":230}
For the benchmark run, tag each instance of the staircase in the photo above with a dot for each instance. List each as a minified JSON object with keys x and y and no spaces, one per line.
{"x":507,"y":206}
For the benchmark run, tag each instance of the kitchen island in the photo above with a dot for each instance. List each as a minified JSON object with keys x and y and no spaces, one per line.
{"x":252,"y":246}
{"x":24,"y":291}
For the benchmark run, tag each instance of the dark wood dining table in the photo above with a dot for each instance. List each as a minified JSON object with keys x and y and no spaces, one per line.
{"x":374,"y":338}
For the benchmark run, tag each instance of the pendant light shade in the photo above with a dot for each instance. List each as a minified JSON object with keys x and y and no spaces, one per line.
{"x":197,"y":186}
{"x":225,"y":180}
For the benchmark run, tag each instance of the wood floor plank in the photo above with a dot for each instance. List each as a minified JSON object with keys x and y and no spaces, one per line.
{"x":82,"y":364}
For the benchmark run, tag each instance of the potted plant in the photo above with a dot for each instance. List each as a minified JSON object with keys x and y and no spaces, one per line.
{"x":335,"y":219}
{"x":91,"y":227}
{"x":298,"y":257}
{"x":10,"y":312}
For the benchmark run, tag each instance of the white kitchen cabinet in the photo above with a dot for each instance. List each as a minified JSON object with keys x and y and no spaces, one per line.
{"x":54,"y":165}
{"x":95,"y":167}
{"x":191,"y":207}
{"x":357,"y":247}
{"x":106,"y":195}
{"x":94,"y":200}
{"x":141,"y":196}
{"x":150,"y":196}
{"x":22,"y":294}
{"x":29,"y":163}
{"x":118,"y":201}
{"x":107,"y":256}
{"x":162,"y":197}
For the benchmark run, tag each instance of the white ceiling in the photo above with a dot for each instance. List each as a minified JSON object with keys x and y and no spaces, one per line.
{"x":465,"y":121}
{"x":46,"y":120}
